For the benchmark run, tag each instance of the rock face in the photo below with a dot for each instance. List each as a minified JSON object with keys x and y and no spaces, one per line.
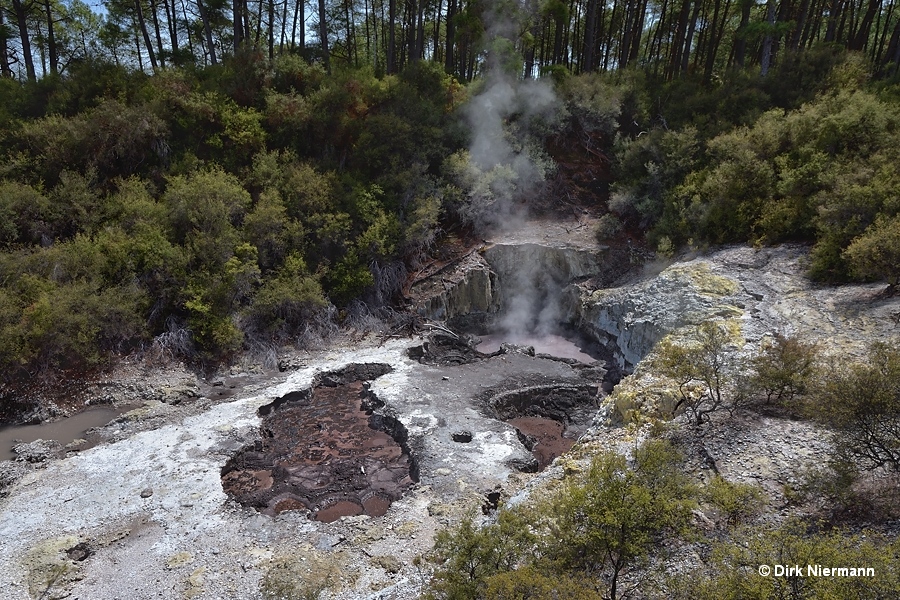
{"x":763,"y":291}
{"x":629,"y":320}
{"x":469,"y":286}
{"x":528,"y":281}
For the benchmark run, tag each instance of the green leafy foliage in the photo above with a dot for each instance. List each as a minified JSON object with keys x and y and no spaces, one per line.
{"x":861,"y":402}
{"x":734,"y":566}
{"x":581,"y":542}
{"x":786,"y":368}
{"x":701,"y":369}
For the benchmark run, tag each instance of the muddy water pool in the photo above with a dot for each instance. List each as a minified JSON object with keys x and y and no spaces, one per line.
{"x":553,"y":344}
{"x":64,"y":431}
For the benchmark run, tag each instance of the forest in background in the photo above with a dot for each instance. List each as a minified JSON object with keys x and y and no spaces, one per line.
{"x":201,"y":179}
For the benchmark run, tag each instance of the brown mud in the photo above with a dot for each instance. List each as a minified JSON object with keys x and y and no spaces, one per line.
{"x":543,"y":437}
{"x":321,"y":451}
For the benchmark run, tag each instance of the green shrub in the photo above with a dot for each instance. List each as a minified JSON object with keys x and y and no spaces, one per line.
{"x":861,"y":403}
{"x":785,"y":368}
{"x":738,"y":501}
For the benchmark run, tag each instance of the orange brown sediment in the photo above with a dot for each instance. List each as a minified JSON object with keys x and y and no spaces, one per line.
{"x":320,"y":452}
{"x":546,"y":436}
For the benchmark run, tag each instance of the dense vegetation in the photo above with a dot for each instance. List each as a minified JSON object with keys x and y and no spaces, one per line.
{"x":201,"y":179}
{"x":621,"y":526}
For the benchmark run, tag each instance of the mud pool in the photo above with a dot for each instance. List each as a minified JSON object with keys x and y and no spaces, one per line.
{"x":64,"y":431}
{"x":553,"y":344}
{"x":321,"y":451}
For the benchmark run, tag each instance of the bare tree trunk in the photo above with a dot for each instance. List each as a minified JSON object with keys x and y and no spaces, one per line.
{"x":159,"y":45}
{"x":237,"y":28}
{"x":207,"y":30}
{"x":437,"y":31}
{"x":879,"y":50}
{"x":21,"y":12}
{"x":451,"y":33}
{"x":171,"y":25}
{"x":801,"y":25}
{"x":861,"y":39}
{"x":323,"y":35}
{"x":299,"y":15}
{"x":258,"y":25}
{"x":392,"y":42}
{"x":271,"y":29}
{"x":282,"y":42}
{"x":689,"y":38}
{"x":139,"y":11}
{"x":590,"y":37}
{"x":420,"y":31}
{"x":740,"y":44}
{"x":51,"y":39}
{"x":5,"y":68}
{"x":137,"y":44}
{"x":834,"y":13}
{"x":186,"y":20}
{"x":768,"y":40}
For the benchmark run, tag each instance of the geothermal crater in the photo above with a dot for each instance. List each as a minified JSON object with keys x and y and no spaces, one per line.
{"x":324,"y":450}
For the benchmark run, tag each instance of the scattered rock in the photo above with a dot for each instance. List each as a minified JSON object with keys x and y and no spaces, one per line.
{"x":146,"y":493}
{"x":38,"y":451}
{"x":10,"y":472}
{"x":463,"y":437}
{"x":80,"y":551}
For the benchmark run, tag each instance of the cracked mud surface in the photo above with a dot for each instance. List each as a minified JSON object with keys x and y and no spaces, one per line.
{"x":150,"y":505}
{"x":320,"y":452}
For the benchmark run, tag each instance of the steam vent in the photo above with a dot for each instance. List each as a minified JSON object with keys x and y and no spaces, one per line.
{"x":323,"y":450}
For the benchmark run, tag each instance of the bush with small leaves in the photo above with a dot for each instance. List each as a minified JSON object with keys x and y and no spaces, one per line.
{"x":737,"y":501}
{"x":785,"y":368}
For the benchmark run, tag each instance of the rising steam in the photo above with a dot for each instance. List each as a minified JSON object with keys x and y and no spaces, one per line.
{"x":505,"y":166}
{"x":505,"y":169}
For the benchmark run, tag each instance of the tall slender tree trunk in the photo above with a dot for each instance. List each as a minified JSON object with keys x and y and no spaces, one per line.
{"x":656,"y":40}
{"x":861,"y":39}
{"x":160,"y":49}
{"x":674,"y":58}
{"x":689,"y":37}
{"x":436,"y":57}
{"x":21,"y":12}
{"x":878,"y":52}
{"x":640,"y":17}
{"x":451,"y":34}
{"x":271,"y":16}
{"x":590,"y":37}
{"x":5,"y":68}
{"x":740,"y":43}
{"x":282,"y":41}
{"x":797,"y":34}
{"x":299,"y":15}
{"x":323,"y":36}
{"x":184,"y":12}
{"x":834,"y":13}
{"x":207,"y":31}
{"x":171,"y":25}
{"x":237,"y":24}
{"x":52,"y":52}
{"x":259,"y":22}
{"x":392,"y":42}
{"x":139,"y":11}
{"x":420,"y":30}
{"x":137,"y":44}
{"x":766,"y":58}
